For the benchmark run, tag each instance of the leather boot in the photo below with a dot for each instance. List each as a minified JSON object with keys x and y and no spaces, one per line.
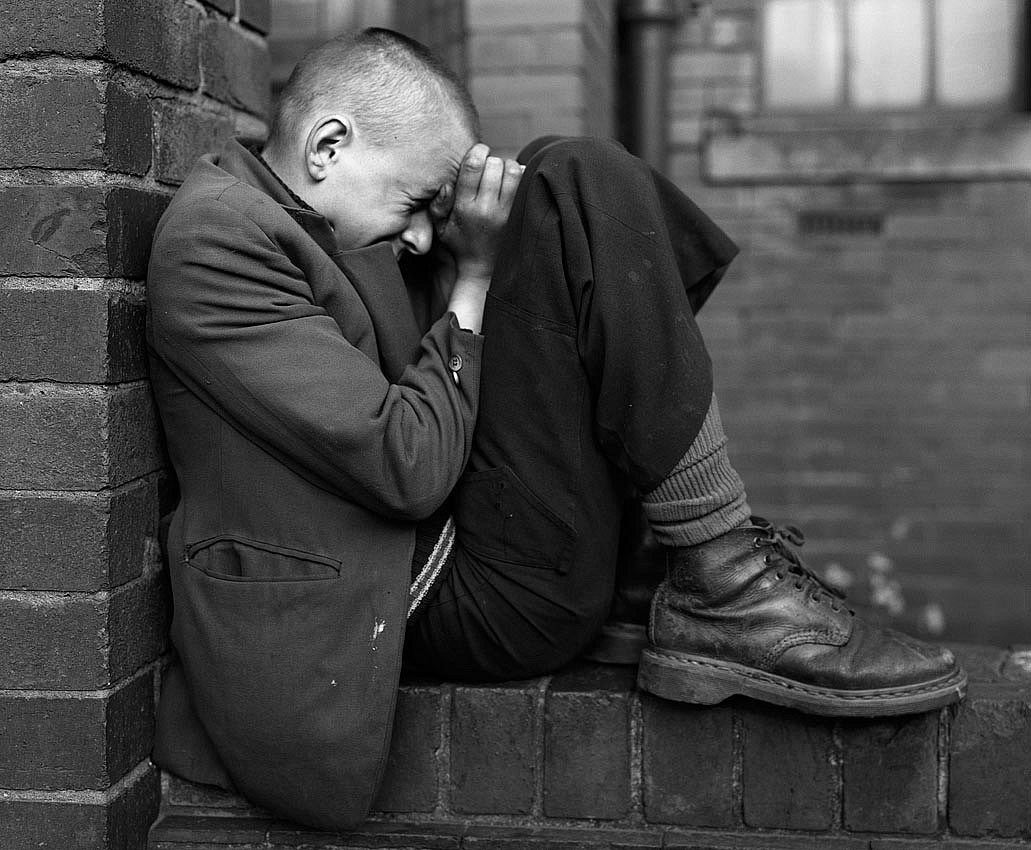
{"x":742,"y":614}
{"x":640,"y":567}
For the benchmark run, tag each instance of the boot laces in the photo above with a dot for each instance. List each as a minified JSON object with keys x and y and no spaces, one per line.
{"x":787,"y":561}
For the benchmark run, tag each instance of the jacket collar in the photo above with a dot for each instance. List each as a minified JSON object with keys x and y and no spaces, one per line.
{"x":241,"y":158}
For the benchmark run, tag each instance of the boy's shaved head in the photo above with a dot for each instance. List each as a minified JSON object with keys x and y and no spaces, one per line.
{"x":393,"y":86}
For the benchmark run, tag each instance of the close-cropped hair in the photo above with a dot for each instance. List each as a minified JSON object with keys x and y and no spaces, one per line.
{"x":390,"y":83}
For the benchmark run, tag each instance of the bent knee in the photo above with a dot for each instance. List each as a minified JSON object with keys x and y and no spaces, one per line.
{"x":581,"y":155}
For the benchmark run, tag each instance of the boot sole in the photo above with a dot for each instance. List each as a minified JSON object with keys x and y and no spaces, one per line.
{"x":705,"y":681}
{"x":618,"y":643}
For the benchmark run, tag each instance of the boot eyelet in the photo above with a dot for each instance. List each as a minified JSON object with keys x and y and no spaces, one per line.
{"x":767,"y":560}
{"x":757,"y":542}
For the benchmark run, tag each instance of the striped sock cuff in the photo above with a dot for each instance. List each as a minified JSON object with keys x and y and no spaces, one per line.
{"x":703,"y":496}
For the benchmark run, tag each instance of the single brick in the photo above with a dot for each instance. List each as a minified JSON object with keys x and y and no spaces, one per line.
{"x":689,"y":764}
{"x":181,"y":134}
{"x":76,"y":541}
{"x":127,"y":130}
{"x":157,"y":37}
{"x":891,"y":774}
{"x":59,"y":437}
{"x":587,"y":743}
{"x":69,"y":28}
{"x":283,"y":834}
{"x":788,"y":769}
{"x":505,"y":50}
{"x":690,"y":840}
{"x":52,"y":230}
{"x":990,"y":762}
{"x":493,"y":15}
{"x":82,"y":642}
{"x":86,"y":741}
{"x":497,"y":837}
{"x":74,"y":336}
{"x":116,"y":820}
{"x":733,"y":32}
{"x":256,"y":14}
{"x":689,"y":66}
{"x":132,"y":217}
{"x":199,"y":832}
{"x":72,"y":231}
{"x":410,"y":779}
{"x":138,"y":622}
{"x":493,"y":749}
{"x":51,"y":122}
{"x":552,"y":92}
{"x":236,"y":67}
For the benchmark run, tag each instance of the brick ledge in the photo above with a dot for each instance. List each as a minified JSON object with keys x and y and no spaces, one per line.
{"x":179,"y":832}
{"x":523,"y":763}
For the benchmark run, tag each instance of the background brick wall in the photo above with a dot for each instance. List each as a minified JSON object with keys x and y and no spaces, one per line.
{"x":874,"y":383}
{"x":103,"y":106}
{"x":541,"y":68}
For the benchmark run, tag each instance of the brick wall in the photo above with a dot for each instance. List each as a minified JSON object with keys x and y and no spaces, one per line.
{"x":582,"y":759}
{"x":533,"y":68}
{"x":103,"y":105}
{"x":872,"y":342}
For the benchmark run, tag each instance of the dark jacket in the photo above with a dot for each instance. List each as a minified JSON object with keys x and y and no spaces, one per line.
{"x":310,"y":425}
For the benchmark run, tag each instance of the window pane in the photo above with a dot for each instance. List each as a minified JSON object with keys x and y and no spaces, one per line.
{"x":975,"y":50}
{"x":802,"y":53}
{"x":889,"y":52}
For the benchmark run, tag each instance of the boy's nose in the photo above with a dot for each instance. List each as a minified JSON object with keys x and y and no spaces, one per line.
{"x":417,"y":237}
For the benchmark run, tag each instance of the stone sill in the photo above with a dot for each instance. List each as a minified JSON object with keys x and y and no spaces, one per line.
{"x":583,"y":759}
{"x":842,"y":149}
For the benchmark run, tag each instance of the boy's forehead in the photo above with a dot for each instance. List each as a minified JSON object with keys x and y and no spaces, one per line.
{"x":428,"y":165}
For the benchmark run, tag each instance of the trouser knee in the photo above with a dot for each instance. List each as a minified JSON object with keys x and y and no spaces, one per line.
{"x":588,"y":158}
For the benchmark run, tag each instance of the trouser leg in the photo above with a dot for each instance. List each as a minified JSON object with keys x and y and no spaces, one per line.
{"x":595,"y":383}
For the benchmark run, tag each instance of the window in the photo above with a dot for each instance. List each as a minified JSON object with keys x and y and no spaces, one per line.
{"x":891,"y":54}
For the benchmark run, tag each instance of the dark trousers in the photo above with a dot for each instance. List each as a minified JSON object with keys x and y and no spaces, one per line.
{"x":595,"y":383}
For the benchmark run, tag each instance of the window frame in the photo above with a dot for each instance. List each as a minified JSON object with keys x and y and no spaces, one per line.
{"x":1017,"y":100}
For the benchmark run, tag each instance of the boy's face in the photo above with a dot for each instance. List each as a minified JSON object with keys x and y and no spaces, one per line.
{"x":382,"y":193}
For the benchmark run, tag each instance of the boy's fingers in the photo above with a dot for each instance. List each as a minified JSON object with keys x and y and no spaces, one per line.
{"x":468,"y":182}
{"x":490,"y":182}
{"x":510,"y":182}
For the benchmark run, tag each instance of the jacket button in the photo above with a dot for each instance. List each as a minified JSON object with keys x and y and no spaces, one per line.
{"x":455,"y":362}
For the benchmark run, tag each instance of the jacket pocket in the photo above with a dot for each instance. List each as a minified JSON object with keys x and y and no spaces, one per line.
{"x":235,"y":558}
{"x":500,"y":518}
{"x":292,"y":669}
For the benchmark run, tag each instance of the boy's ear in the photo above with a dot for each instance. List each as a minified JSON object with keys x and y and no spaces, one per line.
{"x":328,"y":138}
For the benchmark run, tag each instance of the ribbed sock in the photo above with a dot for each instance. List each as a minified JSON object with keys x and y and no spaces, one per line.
{"x":703,"y":496}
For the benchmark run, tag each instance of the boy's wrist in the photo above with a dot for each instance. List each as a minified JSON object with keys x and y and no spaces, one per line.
{"x":468,"y":297}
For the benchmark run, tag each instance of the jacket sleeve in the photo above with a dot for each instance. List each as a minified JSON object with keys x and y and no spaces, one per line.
{"x":235,"y":320}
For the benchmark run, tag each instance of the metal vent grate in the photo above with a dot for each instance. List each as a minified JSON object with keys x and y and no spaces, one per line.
{"x":840,"y":223}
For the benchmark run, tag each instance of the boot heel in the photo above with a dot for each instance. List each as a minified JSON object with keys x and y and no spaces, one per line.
{"x":671,"y":678}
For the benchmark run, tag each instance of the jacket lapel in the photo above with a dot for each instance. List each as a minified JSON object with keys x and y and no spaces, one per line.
{"x":375,"y":275}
